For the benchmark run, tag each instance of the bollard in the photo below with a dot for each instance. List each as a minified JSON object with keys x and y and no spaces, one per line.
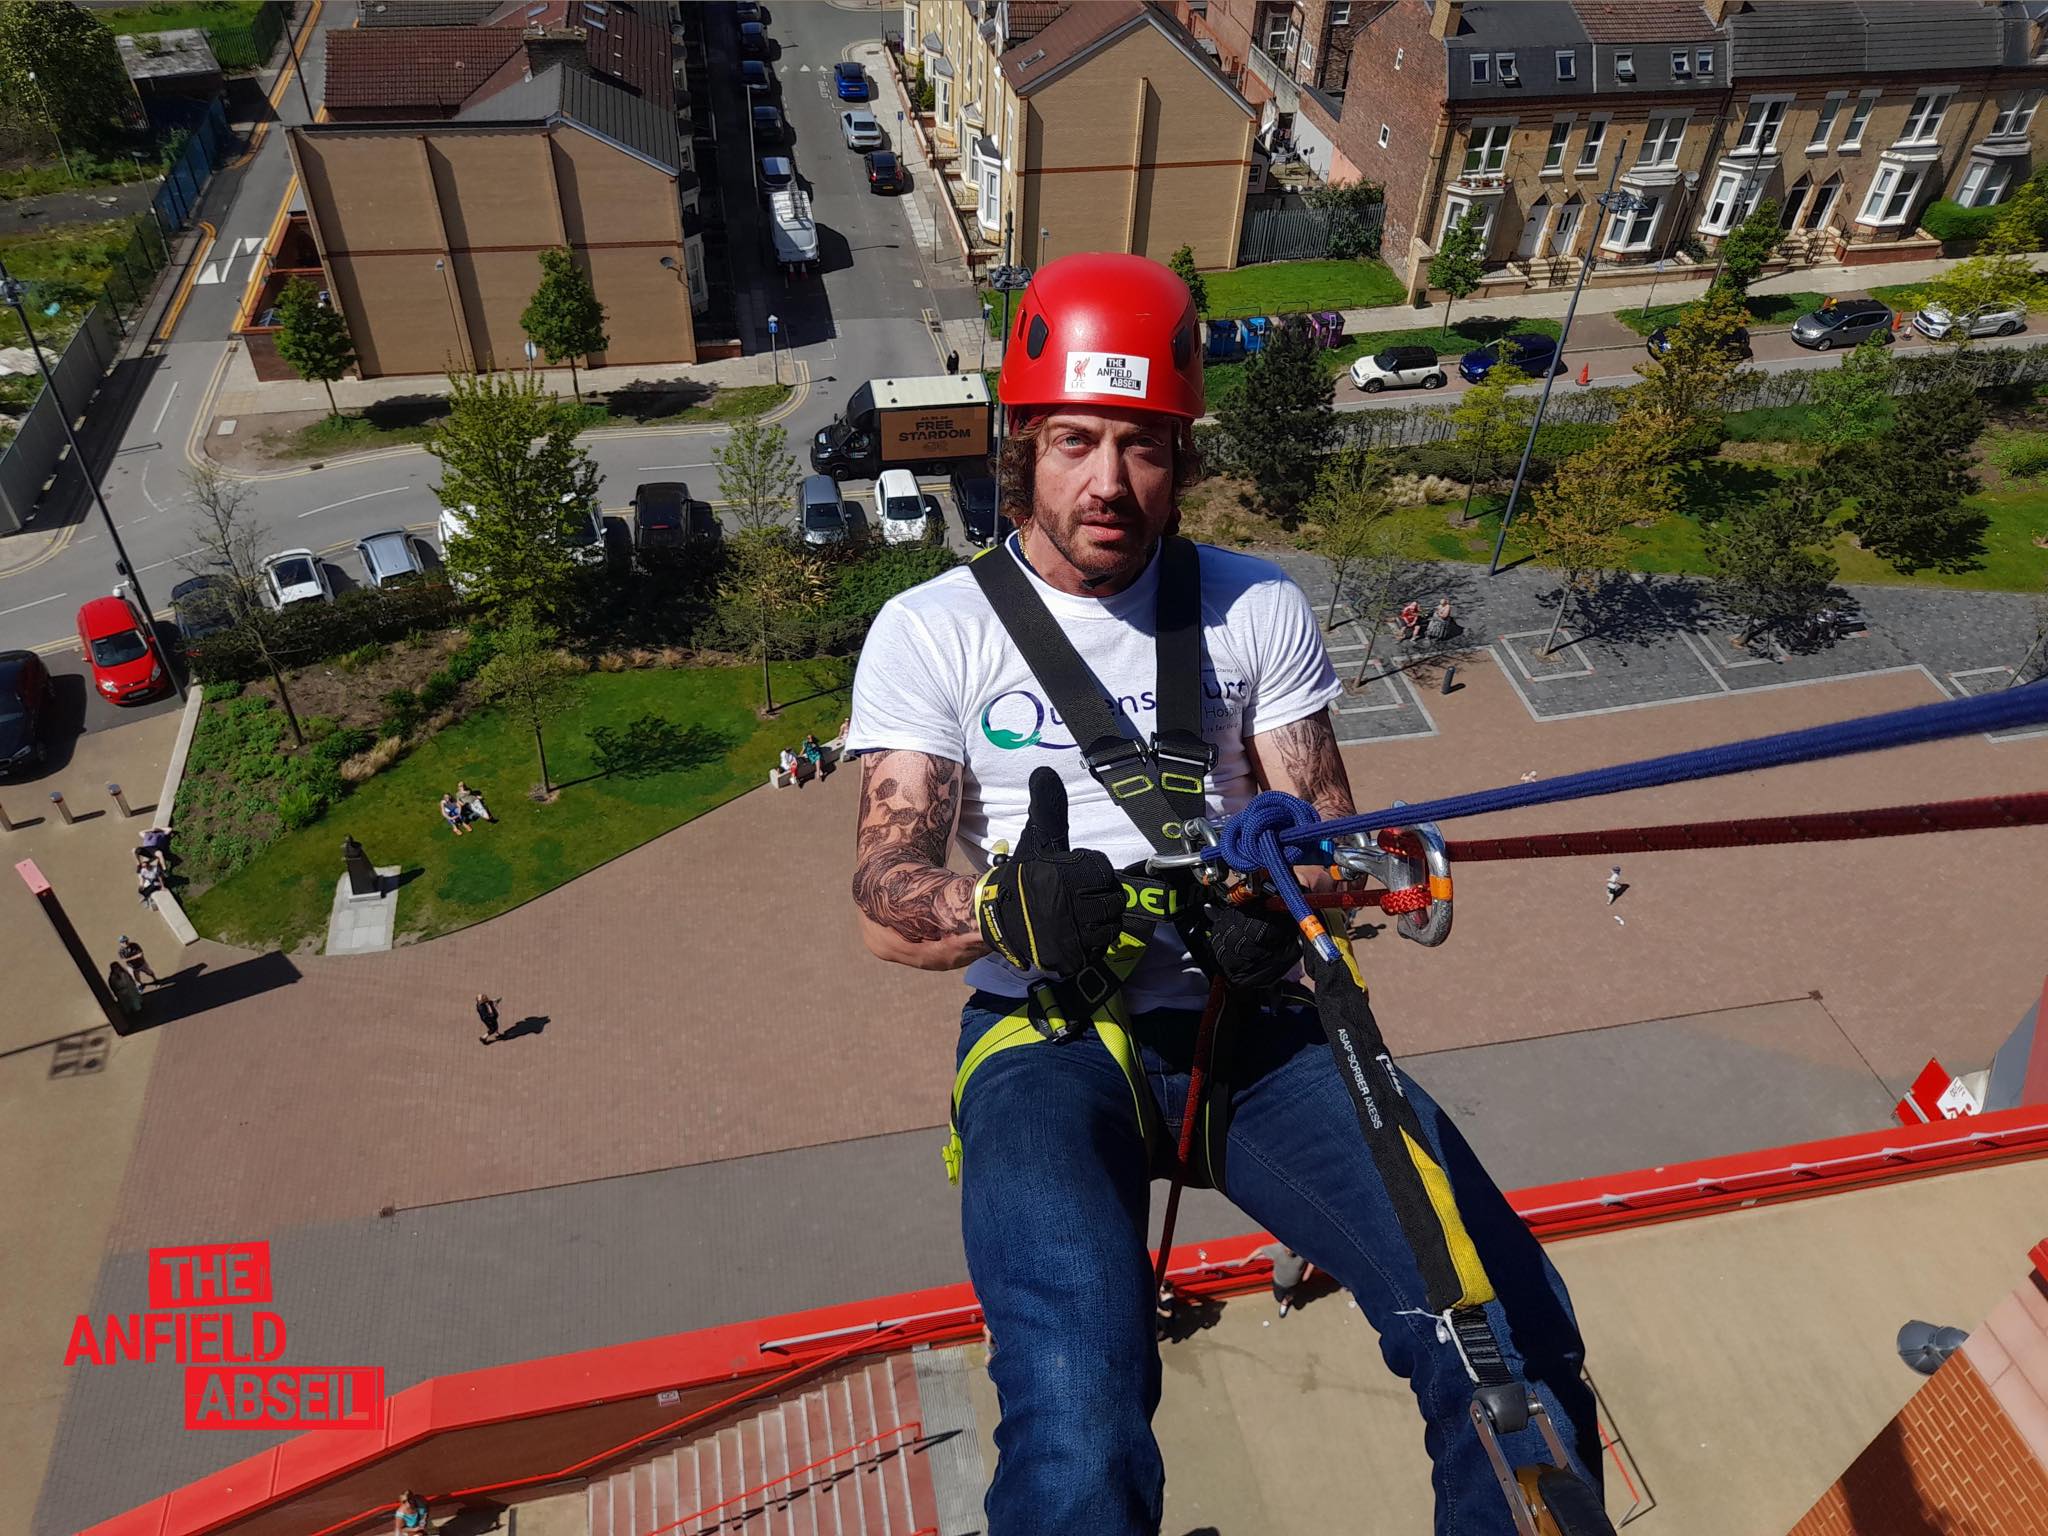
{"x":63,"y":810}
{"x":1449,"y":673}
{"x":120,"y":799}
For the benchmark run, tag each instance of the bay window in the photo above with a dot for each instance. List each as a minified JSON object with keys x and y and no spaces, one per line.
{"x":1891,"y":194}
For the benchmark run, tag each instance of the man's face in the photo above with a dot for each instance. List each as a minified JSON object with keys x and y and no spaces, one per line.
{"x":1102,"y":489}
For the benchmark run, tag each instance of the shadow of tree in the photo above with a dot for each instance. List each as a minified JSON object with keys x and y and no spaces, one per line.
{"x":651,"y":399}
{"x":1630,"y":611}
{"x":651,"y":745}
{"x":1956,"y":546}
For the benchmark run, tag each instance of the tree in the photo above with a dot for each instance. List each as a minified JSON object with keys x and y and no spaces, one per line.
{"x":1492,"y":424}
{"x":79,"y":81}
{"x":1459,"y":262}
{"x":1689,"y":379}
{"x":1356,"y":210}
{"x":2022,"y":223}
{"x":1280,"y":421}
{"x":1909,"y":485}
{"x":531,"y":677}
{"x":1771,"y":564}
{"x":511,"y":466}
{"x":313,"y":337}
{"x":1853,"y":401}
{"x":1977,"y":283}
{"x":226,"y":539}
{"x":1182,"y":262}
{"x":1749,"y":245}
{"x":773,"y":585}
{"x":564,"y":318}
{"x":756,"y":475}
{"x":1349,"y":504}
{"x":1576,"y":521}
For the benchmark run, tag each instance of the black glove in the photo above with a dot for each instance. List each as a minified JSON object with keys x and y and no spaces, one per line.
{"x":1254,"y":947}
{"x":1047,"y":907}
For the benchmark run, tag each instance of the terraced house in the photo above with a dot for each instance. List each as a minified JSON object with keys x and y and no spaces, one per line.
{"x":1854,"y":115}
{"x":1101,"y":126}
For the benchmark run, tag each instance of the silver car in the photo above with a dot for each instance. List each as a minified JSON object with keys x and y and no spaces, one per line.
{"x":389,"y":557}
{"x":2000,"y":320}
{"x":860,"y":130}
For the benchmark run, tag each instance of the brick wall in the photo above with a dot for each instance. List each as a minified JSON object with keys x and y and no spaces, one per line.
{"x":1968,"y":1454}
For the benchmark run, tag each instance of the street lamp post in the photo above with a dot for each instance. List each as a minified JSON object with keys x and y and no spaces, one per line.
{"x":299,"y":69}
{"x":12,"y":292}
{"x":51,"y":123}
{"x":1612,"y":202}
{"x":454,"y":320}
{"x":988,"y":318}
{"x":774,"y":357}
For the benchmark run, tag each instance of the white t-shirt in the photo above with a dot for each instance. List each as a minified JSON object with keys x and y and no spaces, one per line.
{"x":939,"y":675}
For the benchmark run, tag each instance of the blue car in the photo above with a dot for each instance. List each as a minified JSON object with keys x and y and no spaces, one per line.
{"x":1533,"y":355}
{"x":851,"y":81}
{"x":755,"y":74}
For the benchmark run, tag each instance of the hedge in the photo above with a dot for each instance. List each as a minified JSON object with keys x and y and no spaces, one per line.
{"x":1952,"y":221}
{"x":309,"y":632}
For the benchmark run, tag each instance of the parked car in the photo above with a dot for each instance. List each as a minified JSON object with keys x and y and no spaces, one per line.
{"x":850,"y":80}
{"x":778,"y":173}
{"x":885,"y":174}
{"x":201,"y":606}
{"x":823,"y":513}
{"x":767,"y":125}
{"x":1999,"y":320}
{"x":1398,"y":367}
{"x":974,"y":493}
{"x":748,"y":10}
{"x":584,"y":536}
{"x":24,"y":711}
{"x":389,"y":558}
{"x":860,"y":130}
{"x":901,"y":507}
{"x":1533,"y":354}
{"x":125,"y":666}
{"x":754,"y":75}
{"x":1735,"y":344}
{"x":295,"y":576}
{"x":666,"y":516}
{"x":753,"y":40}
{"x":1843,"y":324}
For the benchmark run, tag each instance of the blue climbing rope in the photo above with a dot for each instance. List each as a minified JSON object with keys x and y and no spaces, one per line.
{"x":1275,"y":832}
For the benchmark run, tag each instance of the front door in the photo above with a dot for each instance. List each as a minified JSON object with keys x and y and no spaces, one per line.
{"x":1795,"y":204}
{"x":1567,"y":226}
{"x":1823,"y":203}
{"x":1532,"y":229}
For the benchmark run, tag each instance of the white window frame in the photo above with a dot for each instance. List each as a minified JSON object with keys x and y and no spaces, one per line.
{"x":1681,"y":64}
{"x":1763,"y":119}
{"x":1824,"y":125}
{"x":1590,"y":146}
{"x":1665,"y":134}
{"x":1277,"y":22}
{"x":1859,"y":119}
{"x":1455,"y":209}
{"x":1560,"y":141}
{"x":1306,"y":68}
{"x":1703,"y":64}
{"x":1985,"y":183}
{"x":1642,"y":225}
{"x":1482,"y":68}
{"x":1399,"y":55}
{"x":1625,"y":65}
{"x":1734,"y":198}
{"x":1489,"y":139}
{"x":1385,"y":134}
{"x":1893,"y":191}
{"x":1505,"y":70}
{"x":1340,"y":15}
{"x":1567,"y":64}
{"x":1923,"y":118}
{"x":2015,"y":115}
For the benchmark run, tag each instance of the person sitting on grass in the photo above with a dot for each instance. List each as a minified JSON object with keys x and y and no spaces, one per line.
{"x":451,"y":812}
{"x":472,"y":803}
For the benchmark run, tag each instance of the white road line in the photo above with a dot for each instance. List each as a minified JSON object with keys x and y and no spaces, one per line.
{"x":166,"y":407}
{"x":172,"y":560}
{"x":36,"y":604}
{"x":367,"y":495}
{"x":650,"y":468}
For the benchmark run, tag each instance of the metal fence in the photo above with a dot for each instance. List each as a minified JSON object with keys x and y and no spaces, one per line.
{"x":36,"y":455}
{"x":1293,"y":231}
{"x":249,"y":45}
{"x":211,"y":143}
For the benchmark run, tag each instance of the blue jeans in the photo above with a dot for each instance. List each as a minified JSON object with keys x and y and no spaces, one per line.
{"x":1055,"y":1188}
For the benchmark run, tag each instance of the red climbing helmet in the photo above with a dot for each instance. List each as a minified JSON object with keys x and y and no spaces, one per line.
{"x":1105,"y":329}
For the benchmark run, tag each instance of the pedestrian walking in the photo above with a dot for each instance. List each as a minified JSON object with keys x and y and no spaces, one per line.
{"x":130,"y":954}
{"x":1614,"y":885}
{"x":952,"y":362}
{"x":122,"y":984}
{"x":487,"y":1015}
{"x":1289,"y":1270}
{"x":1440,"y":623}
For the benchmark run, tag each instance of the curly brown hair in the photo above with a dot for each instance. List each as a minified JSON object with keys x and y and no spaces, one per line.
{"x":1017,"y":467}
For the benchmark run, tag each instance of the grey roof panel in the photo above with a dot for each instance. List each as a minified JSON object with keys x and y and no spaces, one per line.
{"x":630,"y":121}
{"x":1919,"y":37}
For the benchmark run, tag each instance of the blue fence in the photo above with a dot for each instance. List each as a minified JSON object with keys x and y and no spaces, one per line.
{"x":210,"y":144}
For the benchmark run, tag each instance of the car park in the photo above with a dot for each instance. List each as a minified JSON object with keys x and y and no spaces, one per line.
{"x":295,"y":576}
{"x":390,"y":558}
{"x":885,"y":173}
{"x":901,"y":507}
{"x":667,"y":516}
{"x":1398,"y":368}
{"x":201,"y":606}
{"x":125,"y":666}
{"x":850,"y":80}
{"x":974,"y":493}
{"x":1525,"y":351}
{"x":1843,"y":324}
{"x":1735,"y":343}
{"x":24,"y":711}
{"x":754,"y":75}
{"x":1936,"y":323}
{"x":778,"y":174}
{"x":823,"y":512}
{"x":753,"y":40}
{"x":767,"y":125}
{"x":583,"y":534}
{"x":860,"y":130}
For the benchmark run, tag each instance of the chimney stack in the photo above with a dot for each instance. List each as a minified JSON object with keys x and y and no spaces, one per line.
{"x":1443,"y":17}
{"x":547,"y":46}
{"x":1717,"y":10}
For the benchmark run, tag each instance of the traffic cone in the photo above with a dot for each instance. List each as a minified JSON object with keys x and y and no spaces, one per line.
{"x":1898,"y":321}
{"x":1586,"y":374}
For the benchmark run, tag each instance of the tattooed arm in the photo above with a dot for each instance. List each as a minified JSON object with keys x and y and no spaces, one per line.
{"x":913,"y":910}
{"x":1302,"y":759}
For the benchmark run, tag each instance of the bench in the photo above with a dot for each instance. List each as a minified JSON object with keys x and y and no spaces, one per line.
{"x":828,"y":758}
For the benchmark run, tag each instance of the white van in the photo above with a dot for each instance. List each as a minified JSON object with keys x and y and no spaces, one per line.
{"x":899,"y":507}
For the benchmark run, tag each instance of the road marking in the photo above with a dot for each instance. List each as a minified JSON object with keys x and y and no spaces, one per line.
{"x":166,"y":406}
{"x":707,"y":464}
{"x":170,"y":320}
{"x":36,"y":604}
{"x":367,"y":495}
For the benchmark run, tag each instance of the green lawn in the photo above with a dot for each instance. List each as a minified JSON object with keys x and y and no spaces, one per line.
{"x":66,"y":266}
{"x":171,"y":17}
{"x":1283,"y":287}
{"x":1764,"y":309}
{"x":707,"y":747}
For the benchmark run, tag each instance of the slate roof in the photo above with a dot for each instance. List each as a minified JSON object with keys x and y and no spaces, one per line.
{"x":425,"y":13}
{"x":633,"y":123}
{"x":430,"y":68}
{"x":1028,"y":18}
{"x":1645,"y":21}
{"x":619,"y":44}
{"x":1920,"y":37}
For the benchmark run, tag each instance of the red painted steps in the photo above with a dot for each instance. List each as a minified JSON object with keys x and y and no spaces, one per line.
{"x":842,"y":1459}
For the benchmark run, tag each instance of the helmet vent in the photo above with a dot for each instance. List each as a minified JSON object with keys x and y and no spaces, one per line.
{"x":1039,"y":334}
{"x":1183,"y":345}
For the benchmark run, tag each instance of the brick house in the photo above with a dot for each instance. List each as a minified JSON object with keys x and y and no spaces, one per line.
{"x":1104,"y":125}
{"x":1271,"y":49}
{"x":1853,"y":114}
